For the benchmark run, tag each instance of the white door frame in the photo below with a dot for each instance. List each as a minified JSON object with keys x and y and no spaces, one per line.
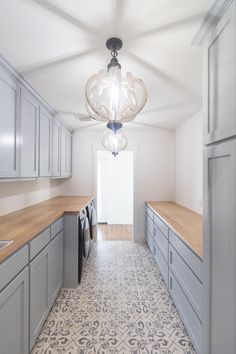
{"x":96,"y":148}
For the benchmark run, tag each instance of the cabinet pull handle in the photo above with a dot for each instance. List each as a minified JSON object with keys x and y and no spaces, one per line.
{"x":170,"y":257}
{"x":170,"y":283}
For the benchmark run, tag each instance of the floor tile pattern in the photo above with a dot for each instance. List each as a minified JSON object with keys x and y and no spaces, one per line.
{"x":122,"y":306}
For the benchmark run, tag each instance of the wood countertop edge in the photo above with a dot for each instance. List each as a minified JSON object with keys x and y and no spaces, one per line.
{"x":197,"y":252}
{"x":16,"y":245}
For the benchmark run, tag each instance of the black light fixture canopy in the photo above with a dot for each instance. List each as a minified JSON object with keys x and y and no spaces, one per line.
{"x":114,"y":125}
{"x":114,"y":44}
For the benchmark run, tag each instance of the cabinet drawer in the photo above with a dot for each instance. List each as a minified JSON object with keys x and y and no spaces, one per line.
{"x":187,"y":279}
{"x":189,"y":317}
{"x":162,"y":265}
{"x":149,"y":224}
{"x":13,"y":265}
{"x":193,"y":261}
{"x":39,"y":242}
{"x":56,"y":227}
{"x":161,"y":242}
{"x":161,"y":225}
{"x":149,"y":212}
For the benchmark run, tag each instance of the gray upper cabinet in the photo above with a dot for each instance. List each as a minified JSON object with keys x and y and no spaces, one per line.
{"x":45,"y":142}
{"x":33,"y":142}
{"x":220,"y":248}
{"x":56,"y":151}
{"x":14,"y":314}
{"x":9,"y":129}
{"x":29,"y":123}
{"x":220,"y":78}
{"x":66,"y":148}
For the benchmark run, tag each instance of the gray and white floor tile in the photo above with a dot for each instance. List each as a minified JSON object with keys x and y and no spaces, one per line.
{"x":122,"y":306}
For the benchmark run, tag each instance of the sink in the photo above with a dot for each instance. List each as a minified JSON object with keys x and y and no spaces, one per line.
{"x":4,"y":244}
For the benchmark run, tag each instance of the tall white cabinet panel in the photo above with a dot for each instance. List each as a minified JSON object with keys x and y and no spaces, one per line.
{"x":9,"y":120}
{"x":45,"y":143}
{"x":69,"y":153}
{"x":56,"y":141}
{"x":220,"y":79}
{"x":66,"y":148}
{"x":220,"y":248}
{"x":29,"y":135}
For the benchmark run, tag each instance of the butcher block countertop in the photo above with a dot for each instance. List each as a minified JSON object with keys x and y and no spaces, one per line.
{"x":184,"y":222}
{"x":23,"y":225}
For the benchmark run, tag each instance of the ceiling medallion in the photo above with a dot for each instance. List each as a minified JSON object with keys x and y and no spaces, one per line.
{"x":112,"y":97}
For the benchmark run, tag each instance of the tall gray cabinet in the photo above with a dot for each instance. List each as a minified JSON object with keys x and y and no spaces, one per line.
{"x":218,"y":37}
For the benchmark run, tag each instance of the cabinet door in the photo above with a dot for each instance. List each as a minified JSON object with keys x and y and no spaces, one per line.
{"x":219,"y":266}
{"x":39,"y":297}
{"x":29,"y":135}
{"x":9,"y":125}
{"x":220,"y":86}
{"x":45,"y":143}
{"x":14,"y":313}
{"x":55,"y":266}
{"x":56,"y":139}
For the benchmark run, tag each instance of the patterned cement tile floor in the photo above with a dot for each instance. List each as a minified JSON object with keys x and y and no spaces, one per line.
{"x":121,"y":306}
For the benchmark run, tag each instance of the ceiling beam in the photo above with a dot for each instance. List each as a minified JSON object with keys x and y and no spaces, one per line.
{"x":169,"y":26}
{"x":160,"y":74}
{"x":118,"y":14}
{"x":51,"y":63}
{"x":65,"y":15}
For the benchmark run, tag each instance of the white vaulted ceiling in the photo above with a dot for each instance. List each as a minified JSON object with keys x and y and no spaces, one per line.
{"x":56,"y":45}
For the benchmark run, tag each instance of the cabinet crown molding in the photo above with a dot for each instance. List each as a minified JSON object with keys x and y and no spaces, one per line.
{"x":212,"y":17}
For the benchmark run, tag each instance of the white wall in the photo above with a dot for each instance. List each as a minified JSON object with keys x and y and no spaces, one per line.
{"x":188,"y":163}
{"x":18,"y":195}
{"x":153,"y":168}
{"x":117,"y":182}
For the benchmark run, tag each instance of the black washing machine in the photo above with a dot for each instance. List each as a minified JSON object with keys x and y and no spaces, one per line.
{"x":84,"y":241}
{"x":92,"y":218}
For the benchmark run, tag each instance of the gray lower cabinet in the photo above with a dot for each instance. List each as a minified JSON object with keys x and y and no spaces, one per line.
{"x":55,"y":267}
{"x":14,"y":315}
{"x":188,"y":315}
{"x":9,"y":125}
{"x":181,"y":270}
{"x":39,"y":293}
{"x":29,"y":133}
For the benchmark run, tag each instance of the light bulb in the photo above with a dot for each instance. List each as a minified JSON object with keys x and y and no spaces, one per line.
{"x":114,"y":142}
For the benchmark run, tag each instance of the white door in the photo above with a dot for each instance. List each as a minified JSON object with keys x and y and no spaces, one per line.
{"x":102,"y":170}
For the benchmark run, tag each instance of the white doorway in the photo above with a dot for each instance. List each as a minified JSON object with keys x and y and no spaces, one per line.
{"x":115,"y":186}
